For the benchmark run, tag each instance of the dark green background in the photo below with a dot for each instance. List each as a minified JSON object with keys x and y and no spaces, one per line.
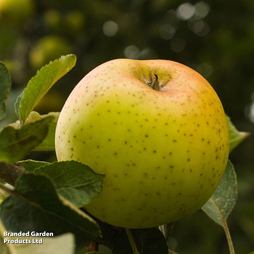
{"x":216,"y":38}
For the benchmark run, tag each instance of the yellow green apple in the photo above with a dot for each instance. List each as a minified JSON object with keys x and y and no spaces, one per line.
{"x":156,"y":129}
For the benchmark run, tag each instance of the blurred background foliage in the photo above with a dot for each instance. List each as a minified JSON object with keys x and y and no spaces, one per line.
{"x":214,"y":37}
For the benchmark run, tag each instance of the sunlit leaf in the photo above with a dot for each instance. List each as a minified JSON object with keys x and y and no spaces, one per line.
{"x":39,"y":85}
{"x":236,"y":137}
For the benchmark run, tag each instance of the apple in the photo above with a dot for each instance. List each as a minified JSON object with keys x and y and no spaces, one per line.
{"x":156,"y":129}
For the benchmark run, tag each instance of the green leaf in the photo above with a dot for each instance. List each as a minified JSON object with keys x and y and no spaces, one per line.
{"x":74,"y":181}
{"x":39,"y":85}
{"x":5,"y":86}
{"x":48,"y":144}
{"x":236,"y":137}
{"x":31,"y":165}
{"x":223,"y":200}
{"x":16,"y":141}
{"x":35,"y":205}
{"x":147,"y":241}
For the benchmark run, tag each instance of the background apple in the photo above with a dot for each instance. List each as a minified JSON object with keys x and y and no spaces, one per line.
{"x":15,"y":13}
{"x":163,"y":150}
{"x":47,"y":49}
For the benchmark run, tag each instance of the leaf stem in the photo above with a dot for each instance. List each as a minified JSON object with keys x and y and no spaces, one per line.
{"x":131,"y":240}
{"x":229,"y":239}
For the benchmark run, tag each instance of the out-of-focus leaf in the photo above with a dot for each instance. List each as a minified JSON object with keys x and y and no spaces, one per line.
{"x":64,"y":244}
{"x":147,"y":241}
{"x":39,"y":85}
{"x":236,"y":137}
{"x":74,"y":181}
{"x":223,"y":200}
{"x":5,"y":86}
{"x":35,"y":205}
{"x":16,"y":141}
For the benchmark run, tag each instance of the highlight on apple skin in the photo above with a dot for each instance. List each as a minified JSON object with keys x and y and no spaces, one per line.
{"x":156,"y":129}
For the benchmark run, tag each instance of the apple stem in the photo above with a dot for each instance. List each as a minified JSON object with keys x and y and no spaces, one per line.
{"x":131,"y":240}
{"x":155,"y":83}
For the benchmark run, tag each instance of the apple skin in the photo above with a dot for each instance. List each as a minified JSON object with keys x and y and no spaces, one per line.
{"x":163,"y":152}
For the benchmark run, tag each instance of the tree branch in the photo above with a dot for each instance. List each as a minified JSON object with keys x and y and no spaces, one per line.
{"x":10,"y":172}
